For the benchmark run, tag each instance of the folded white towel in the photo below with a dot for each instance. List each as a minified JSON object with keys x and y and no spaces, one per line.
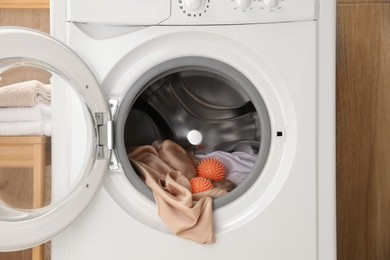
{"x":25,"y":128}
{"x":27,"y":114}
{"x":25,"y":94}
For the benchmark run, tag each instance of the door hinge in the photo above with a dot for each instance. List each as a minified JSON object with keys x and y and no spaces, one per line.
{"x":105,"y":135}
{"x":114,"y":163}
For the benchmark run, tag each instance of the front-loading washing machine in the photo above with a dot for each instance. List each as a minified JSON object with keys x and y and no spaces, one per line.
{"x":234,"y":76}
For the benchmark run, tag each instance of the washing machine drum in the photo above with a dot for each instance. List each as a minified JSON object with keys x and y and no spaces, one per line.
{"x":199,"y":110}
{"x":203,"y":105}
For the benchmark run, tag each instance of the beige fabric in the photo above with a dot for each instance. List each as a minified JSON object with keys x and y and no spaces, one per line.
{"x":166,"y":168}
{"x":25,"y":94}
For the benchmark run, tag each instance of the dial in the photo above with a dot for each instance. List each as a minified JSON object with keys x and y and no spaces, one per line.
{"x":193,"y":5}
{"x":270,"y":4}
{"x":243,"y":4}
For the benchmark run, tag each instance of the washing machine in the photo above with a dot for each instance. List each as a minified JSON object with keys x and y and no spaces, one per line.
{"x":208,"y":75}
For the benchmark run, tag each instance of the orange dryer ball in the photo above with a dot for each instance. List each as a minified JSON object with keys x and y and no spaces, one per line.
{"x":199,"y":184}
{"x":211,"y":168}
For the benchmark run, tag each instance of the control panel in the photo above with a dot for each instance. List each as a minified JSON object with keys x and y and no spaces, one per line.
{"x":198,"y":12}
{"x":190,"y":12}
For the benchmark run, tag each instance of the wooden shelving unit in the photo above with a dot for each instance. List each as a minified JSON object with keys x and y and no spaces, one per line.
{"x":28,"y":152}
{"x":25,"y":4}
{"x":32,"y":14}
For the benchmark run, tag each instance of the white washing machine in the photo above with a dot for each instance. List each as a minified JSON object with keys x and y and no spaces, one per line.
{"x":258,"y":73}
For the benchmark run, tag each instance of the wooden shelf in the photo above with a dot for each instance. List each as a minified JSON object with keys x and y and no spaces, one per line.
{"x":30,"y":152}
{"x":21,"y":4}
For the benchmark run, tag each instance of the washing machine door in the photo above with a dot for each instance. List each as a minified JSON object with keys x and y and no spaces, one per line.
{"x":52,"y":106}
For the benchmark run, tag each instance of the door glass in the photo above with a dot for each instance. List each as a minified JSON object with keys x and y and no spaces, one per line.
{"x":42,"y":151}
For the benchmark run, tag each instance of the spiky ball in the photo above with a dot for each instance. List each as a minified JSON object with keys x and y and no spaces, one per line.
{"x":211,"y":168}
{"x":199,"y":184}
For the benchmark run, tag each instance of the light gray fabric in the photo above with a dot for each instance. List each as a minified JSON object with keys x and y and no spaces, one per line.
{"x":238,"y":165}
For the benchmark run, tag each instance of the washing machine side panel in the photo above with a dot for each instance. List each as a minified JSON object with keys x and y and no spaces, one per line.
{"x":327,"y":132}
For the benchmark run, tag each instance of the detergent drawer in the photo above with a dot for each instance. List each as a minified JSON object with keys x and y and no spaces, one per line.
{"x":120,"y":12}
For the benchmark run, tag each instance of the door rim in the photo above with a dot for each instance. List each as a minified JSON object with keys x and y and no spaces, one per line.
{"x":37,"y":226}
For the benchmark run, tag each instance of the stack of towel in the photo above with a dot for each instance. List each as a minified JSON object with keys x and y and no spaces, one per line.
{"x":25,"y":109}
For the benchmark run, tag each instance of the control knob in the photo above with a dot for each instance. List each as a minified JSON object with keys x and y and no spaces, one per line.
{"x":243,"y":4}
{"x":193,"y":5}
{"x":270,"y":4}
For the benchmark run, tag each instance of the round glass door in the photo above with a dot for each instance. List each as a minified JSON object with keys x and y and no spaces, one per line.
{"x":52,"y":158}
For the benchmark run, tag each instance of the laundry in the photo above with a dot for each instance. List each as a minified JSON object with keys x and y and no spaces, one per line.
{"x":238,"y":164}
{"x":26,"y":128}
{"x":26,"y":114}
{"x":167,"y":168}
{"x":25,"y":94}
{"x":25,"y":109}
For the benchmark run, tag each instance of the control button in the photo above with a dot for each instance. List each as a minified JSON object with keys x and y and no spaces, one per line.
{"x":193,"y":5}
{"x":243,"y":4}
{"x":271,"y":3}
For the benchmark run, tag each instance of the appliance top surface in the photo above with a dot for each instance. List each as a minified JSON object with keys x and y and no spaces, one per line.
{"x":189,"y":12}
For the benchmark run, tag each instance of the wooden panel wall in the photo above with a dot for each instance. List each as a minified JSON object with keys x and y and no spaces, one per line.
{"x":363,"y":129}
{"x":37,"y":19}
